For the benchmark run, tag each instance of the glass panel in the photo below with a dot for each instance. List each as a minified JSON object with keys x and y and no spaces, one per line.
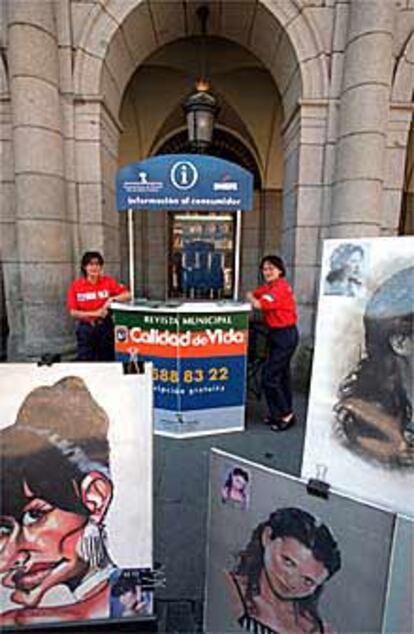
{"x":201,"y":255}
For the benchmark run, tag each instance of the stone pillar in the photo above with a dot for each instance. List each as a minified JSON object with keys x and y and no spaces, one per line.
{"x":8,"y":254}
{"x":96,"y":150}
{"x":359,"y":172}
{"x":399,"y":165}
{"x":304,"y":138}
{"x":43,"y":233}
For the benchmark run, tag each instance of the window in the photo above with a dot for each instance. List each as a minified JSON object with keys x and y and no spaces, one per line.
{"x":201,"y":255}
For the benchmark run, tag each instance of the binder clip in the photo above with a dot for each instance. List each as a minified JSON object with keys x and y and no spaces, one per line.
{"x":153,"y":578}
{"x":318,"y":486}
{"x":133,"y":365}
{"x":49,"y":359}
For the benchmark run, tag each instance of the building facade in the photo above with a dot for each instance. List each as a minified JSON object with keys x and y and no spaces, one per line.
{"x":316,"y":98}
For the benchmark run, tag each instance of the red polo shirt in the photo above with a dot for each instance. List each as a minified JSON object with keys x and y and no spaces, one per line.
{"x":277,"y":303}
{"x":83,"y":295}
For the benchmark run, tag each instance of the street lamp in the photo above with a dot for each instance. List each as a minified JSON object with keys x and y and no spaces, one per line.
{"x":201,"y":109}
{"x":201,"y":106}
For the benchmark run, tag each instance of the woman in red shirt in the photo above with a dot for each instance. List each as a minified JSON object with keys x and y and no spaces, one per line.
{"x":88,"y":301}
{"x":276,"y":301}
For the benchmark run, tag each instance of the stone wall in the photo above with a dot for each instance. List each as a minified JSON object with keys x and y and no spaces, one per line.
{"x":329,"y":128}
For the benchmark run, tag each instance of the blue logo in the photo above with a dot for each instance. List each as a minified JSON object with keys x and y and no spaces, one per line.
{"x":184,"y":175}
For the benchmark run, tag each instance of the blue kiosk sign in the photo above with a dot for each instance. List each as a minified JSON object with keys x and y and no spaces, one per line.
{"x":179,"y":182}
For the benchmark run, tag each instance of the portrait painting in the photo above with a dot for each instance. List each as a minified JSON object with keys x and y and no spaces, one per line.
{"x":131,"y":595}
{"x":346,"y":273}
{"x":293,"y":562}
{"x":76,"y":488}
{"x":235,"y":487}
{"x":360,"y":417}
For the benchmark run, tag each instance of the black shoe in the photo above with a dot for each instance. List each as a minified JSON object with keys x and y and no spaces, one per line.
{"x":282,"y":425}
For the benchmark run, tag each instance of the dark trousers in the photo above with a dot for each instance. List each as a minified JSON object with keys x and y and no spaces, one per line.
{"x":95,"y":340}
{"x":276,"y":384}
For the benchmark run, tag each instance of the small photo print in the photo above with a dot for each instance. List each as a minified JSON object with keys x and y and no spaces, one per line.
{"x":130,"y":594}
{"x":346,"y":270}
{"x":235,"y":489}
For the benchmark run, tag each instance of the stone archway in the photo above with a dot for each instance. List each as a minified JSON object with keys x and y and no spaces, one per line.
{"x":118,"y":37}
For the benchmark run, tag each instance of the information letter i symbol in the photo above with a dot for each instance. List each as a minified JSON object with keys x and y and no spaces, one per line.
{"x":184,"y":174}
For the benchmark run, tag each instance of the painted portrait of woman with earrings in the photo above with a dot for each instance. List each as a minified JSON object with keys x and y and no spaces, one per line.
{"x":56,"y":490}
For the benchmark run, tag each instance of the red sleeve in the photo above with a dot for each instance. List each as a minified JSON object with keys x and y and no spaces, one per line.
{"x":271,"y":297}
{"x":258,"y":292}
{"x":71,"y":301}
{"x":115,"y":288}
{"x":268,"y":301}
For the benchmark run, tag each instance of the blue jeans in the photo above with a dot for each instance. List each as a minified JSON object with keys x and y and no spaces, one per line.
{"x":95,"y":340}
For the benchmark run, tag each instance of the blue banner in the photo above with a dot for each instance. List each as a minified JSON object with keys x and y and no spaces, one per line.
{"x":180,"y":182}
{"x":186,"y":384}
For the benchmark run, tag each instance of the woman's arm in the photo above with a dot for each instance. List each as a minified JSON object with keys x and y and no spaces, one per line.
{"x":123,"y":296}
{"x":253,"y":300}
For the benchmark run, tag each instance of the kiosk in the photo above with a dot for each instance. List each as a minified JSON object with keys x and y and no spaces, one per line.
{"x":197,"y":338}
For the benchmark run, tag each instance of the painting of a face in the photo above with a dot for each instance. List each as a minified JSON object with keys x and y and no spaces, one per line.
{"x":39,"y":549}
{"x":354,"y":264}
{"x":292,"y":569}
{"x":239,"y":483}
{"x":131,"y":598}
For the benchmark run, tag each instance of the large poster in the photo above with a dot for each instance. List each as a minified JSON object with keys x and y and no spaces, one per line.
{"x":199,"y":360}
{"x":360,"y":423}
{"x":283,"y":561}
{"x":76,"y":493}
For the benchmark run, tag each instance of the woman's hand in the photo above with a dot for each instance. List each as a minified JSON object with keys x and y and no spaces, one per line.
{"x":101,"y":312}
{"x":254,"y":302}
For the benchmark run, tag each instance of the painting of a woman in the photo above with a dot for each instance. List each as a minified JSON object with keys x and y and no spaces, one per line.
{"x":55,"y":492}
{"x":280,"y":574}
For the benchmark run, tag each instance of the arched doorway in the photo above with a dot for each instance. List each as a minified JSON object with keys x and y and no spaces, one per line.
{"x":284,"y":49}
{"x":247,"y":132}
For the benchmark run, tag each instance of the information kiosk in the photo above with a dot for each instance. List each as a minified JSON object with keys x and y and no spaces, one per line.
{"x":196,"y":338}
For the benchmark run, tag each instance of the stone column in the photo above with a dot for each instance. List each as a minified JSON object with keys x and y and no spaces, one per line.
{"x":359,"y":172}
{"x":8,"y":285}
{"x":43,"y":233}
{"x":96,"y":150}
{"x":304,"y":138}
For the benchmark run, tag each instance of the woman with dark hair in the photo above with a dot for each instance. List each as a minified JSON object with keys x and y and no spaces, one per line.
{"x":88,"y":300}
{"x":276,"y":301}
{"x":280,"y":575}
{"x":55,"y":493}
{"x":235,"y":487}
{"x":344,"y":277}
{"x":128,"y":598}
{"x":375,"y":410}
